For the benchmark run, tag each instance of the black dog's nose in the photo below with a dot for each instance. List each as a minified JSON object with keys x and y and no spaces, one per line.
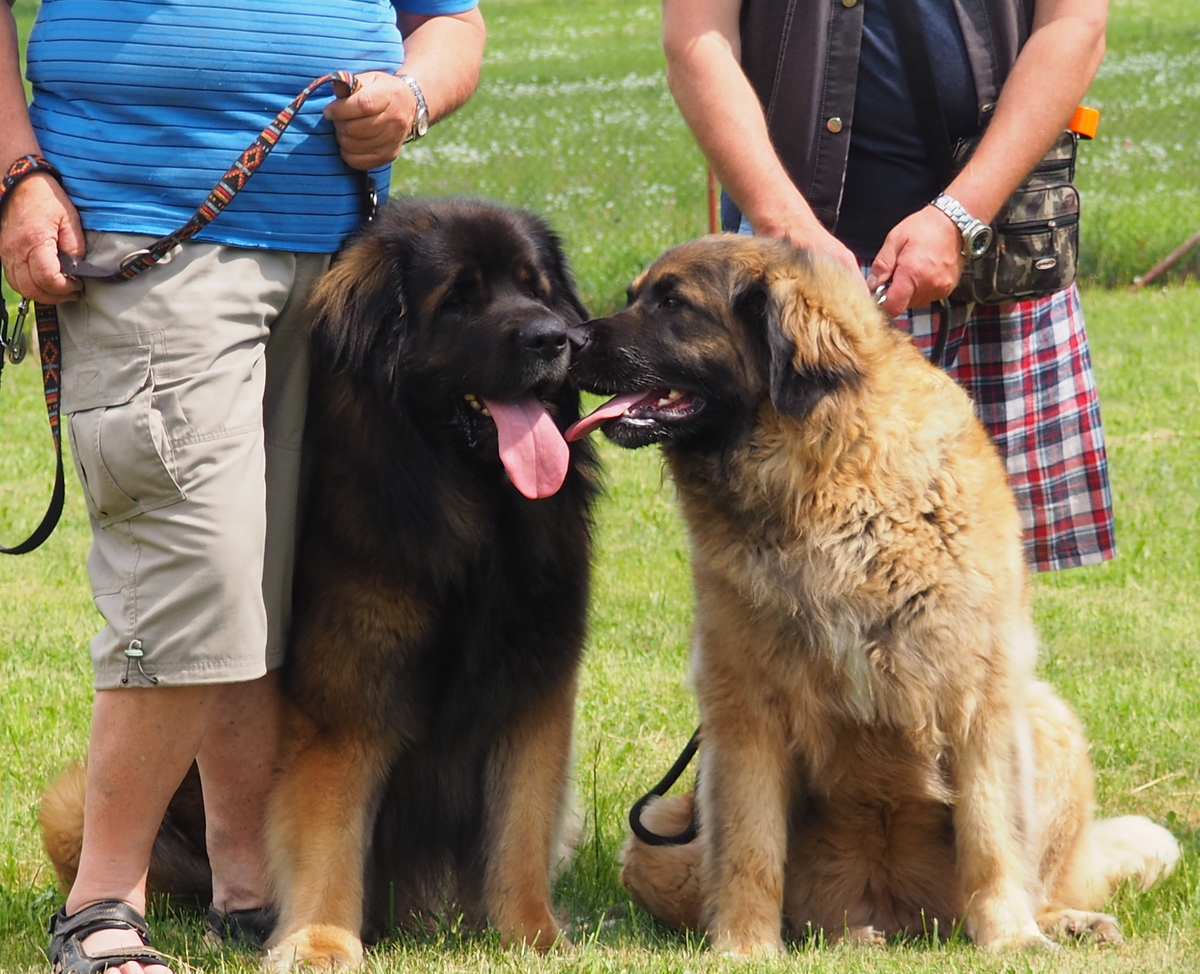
{"x":545,"y":337}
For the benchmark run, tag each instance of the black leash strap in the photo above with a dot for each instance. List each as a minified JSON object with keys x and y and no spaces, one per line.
{"x":635,"y":813}
{"x":49,"y":342}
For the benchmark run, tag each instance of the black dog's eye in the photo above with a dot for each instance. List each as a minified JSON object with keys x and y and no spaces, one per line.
{"x":458,"y":297}
{"x":669,"y":302}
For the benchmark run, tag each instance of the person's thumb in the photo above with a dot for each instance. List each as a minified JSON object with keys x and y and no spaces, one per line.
{"x":883,"y":265}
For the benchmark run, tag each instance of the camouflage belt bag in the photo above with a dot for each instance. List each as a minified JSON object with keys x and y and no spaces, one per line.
{"x":1035,"y":243}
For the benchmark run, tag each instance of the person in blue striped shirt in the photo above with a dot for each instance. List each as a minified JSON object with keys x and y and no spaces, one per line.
{"x":184,"y":388}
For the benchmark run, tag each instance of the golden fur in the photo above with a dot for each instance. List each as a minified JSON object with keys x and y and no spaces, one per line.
{"x":877,"y":757}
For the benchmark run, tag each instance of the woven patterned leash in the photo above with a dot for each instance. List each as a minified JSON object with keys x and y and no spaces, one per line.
{"x":13,"y":345}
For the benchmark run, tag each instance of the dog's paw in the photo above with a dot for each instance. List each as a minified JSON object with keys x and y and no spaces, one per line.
{"x":1099,"y":928}
{"x":1022,"y":940}
{"x":1003,"y":920}
{"x":320,"y":947}
{"x":744,"y":945}
{"x":538,"y":933}
{"x":866,"y":936}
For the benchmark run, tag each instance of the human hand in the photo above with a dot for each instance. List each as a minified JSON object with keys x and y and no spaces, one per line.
{"x":812,"y":235}
{"x":373,"y":121}
{"x":921,"y":258}
{"x":39,"y":222}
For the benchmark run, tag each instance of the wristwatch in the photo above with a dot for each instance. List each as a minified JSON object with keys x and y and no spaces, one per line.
{"x":421,"y":122}
{"x":976,"y":235}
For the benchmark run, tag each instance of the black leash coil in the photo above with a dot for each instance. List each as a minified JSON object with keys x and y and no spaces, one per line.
{"x":635,"y":813}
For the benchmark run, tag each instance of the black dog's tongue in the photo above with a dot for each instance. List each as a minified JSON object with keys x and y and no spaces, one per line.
{"x":532,"y":449}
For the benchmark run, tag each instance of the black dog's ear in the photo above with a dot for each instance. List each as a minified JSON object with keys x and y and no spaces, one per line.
{"x":564,"y":292}
{"x":811,"y":356}
{"x":358,"y":307}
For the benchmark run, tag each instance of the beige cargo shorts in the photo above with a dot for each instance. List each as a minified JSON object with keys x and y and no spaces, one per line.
{"x":184,"y":392}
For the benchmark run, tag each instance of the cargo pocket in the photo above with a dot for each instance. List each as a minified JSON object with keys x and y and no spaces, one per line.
{"x":119,"y":439}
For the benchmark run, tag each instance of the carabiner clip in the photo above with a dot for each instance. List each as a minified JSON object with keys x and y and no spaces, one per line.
{"x":880,"y":294}
{"x":16,"y":346}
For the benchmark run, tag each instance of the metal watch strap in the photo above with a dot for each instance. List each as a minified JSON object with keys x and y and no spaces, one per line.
{"x":968,"y":227}
{"x":421,"y":123}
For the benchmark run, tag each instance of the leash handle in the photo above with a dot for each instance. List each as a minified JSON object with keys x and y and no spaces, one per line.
{"x":635,"y":813}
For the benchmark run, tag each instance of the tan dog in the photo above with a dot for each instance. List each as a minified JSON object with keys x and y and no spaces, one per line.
{"x":877,"y":757}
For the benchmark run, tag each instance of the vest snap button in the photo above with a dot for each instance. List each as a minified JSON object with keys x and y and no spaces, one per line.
{"x":849,"y":3}
{"x":834,"y":124}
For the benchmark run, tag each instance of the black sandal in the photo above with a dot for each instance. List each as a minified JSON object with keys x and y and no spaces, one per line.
{"x":67,"y":934}
{"x":240,"y":928}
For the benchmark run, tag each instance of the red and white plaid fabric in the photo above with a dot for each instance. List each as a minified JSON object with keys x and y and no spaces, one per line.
{"x":1027,"y":367}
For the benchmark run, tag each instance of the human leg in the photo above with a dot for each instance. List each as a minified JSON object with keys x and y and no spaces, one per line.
{"x":142,"y":742}
{"x":163,"y":386}
{"x":237,"y":760}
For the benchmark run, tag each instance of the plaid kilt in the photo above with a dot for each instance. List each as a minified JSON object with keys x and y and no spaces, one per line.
{"x":1026,"y":366}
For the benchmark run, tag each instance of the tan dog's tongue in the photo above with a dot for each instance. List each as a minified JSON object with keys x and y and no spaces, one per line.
{"x":616,"y":406}
{"x":532,"y":449}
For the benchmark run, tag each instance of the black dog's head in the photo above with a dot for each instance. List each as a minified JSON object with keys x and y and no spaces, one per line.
{"x":714,"y":329}
{"x":458,"y":310}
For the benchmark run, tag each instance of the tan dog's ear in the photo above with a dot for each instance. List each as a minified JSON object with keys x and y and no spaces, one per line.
{"x":811,"y":354}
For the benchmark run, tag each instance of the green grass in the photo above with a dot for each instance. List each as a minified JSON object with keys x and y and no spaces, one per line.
{"x":1140,"y":177}
{"x":573,"y":121}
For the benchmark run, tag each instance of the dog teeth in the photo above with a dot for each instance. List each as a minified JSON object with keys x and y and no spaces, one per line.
{"x":673,"y":395}
{"x":469,"y":398}
{"x":484,"y":410}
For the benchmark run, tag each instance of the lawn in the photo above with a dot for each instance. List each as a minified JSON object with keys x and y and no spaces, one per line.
{"x":573,"y":120}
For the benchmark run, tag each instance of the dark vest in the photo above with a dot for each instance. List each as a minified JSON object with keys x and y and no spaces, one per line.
{"x":801,"y":57}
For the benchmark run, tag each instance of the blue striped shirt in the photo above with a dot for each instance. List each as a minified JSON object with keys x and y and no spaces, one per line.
{"x":143,"y":105}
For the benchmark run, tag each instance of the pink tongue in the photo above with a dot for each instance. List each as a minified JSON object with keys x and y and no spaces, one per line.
{"x":614,"y":407}
{"x":531,"y":447}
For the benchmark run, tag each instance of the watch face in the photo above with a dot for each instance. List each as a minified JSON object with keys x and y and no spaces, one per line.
{"x":979,"y":241}
{"x":422,"y":124}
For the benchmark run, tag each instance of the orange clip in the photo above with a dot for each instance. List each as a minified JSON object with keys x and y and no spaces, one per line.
{"x":1084,"y":122}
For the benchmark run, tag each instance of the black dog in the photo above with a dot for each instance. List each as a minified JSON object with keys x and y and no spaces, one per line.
{"x":441,"y":587}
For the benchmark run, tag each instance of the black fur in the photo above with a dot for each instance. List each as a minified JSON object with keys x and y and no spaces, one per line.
{"x":409,"y":497}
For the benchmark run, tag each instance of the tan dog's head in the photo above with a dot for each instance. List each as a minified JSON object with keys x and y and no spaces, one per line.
{"x":717,"y":327}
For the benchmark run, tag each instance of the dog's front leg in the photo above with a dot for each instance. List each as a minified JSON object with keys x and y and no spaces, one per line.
{"x":992,"y":866}
{"x":743,"y":791}
{"x":318,"y":829}
{"x":526,"y":795}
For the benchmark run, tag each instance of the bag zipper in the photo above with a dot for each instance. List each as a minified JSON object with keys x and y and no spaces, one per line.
{"x":1032,"y":226}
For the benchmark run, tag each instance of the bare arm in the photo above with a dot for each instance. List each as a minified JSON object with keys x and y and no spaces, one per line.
{"x":1051,"y":74}
{"x":702,"y":43}
{"x":443,"y":54}
{"x":37,"y":219}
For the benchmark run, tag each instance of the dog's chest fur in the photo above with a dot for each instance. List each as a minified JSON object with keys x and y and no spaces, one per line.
{"x":816,"y":568}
